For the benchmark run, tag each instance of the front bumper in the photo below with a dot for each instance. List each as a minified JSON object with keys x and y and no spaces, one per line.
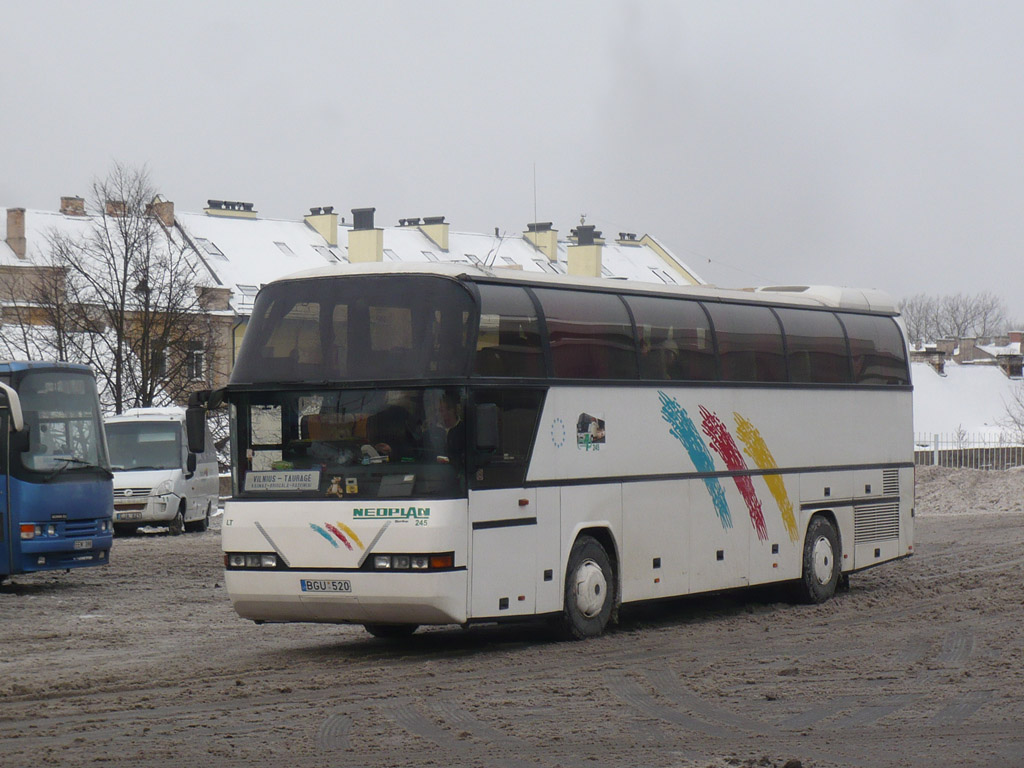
{"x":375,"y":598}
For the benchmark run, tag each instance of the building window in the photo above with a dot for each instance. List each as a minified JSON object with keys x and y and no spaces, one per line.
{"x":248,"y":294}
{"x":327,"y":253}
{"x":210,"y":248}
{"x":430,"y":255}
{"x":195,"y":362}
{"x":391,"y":255}
{"x":283,"y":247}
{"x":158,"y":363}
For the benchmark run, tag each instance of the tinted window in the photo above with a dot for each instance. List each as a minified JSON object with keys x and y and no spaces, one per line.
{"x":675,"y":339}
{"x":749,"y":342}
{"x":517,"y":411}
{"x":815,"y":346}
{"x":508,"y":341}
{"x":356,"y":328}
{"x":590,"y":333}
{"x":876,"y":347}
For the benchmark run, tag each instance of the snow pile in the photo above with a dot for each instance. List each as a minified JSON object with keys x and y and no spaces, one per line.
{"x":942,"y":491}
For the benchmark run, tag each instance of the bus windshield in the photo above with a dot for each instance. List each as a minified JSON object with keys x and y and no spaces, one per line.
{"x":351,"y":444}
{"x":139,"y":445}
{"x":368,"y":328}
{"x":62,"y":415}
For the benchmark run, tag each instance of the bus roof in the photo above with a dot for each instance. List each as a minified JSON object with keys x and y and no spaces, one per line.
{"x":10,"y":366}
{"x":833,"y":297}
{"x":148,"y":414}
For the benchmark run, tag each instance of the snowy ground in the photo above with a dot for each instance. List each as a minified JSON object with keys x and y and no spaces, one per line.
{"x":143,"y":663}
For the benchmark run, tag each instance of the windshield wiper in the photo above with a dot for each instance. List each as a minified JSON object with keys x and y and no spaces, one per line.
{"x":82,"y":464}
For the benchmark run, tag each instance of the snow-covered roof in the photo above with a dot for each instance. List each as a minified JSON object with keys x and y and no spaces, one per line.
{"x":997,"y":350}
{"x":245,"y":253}
{"x":971,"y":398}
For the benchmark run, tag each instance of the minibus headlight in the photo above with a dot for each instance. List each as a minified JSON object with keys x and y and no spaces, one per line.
{"x":165,"y":487}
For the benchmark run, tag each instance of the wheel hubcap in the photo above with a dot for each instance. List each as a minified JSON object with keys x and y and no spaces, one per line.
{"x":591,"y":589}
{"x":824,"y":560}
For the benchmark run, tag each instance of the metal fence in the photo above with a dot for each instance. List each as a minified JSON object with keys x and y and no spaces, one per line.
{"x":968,"y":451}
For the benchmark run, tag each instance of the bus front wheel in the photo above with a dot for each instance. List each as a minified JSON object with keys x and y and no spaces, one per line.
{"x":177,"y":526}
{"x":589,"y":591}
{"x":821,"y":569}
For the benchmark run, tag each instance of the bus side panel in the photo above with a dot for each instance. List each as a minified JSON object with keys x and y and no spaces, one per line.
{"x":655,"y":536}
{"x":776,"y":556}
{"x":719,"y":543}
{"x":551,"y":586}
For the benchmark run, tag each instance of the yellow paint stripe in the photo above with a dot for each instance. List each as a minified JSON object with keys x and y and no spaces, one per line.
{"x":351,"y":533}
{"x":756,"y":448}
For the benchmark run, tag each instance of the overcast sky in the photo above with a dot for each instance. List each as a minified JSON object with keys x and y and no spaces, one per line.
{"x":875,"y":144}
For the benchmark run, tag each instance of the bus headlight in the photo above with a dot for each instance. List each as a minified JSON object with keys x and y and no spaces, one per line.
{"x":435,"y":562}
{"x":267,"y":560}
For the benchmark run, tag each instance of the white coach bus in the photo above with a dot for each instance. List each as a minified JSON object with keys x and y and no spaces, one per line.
{"x":446,"y":445}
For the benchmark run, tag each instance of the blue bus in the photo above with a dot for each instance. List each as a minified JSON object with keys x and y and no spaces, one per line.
{"x":56,"y":487}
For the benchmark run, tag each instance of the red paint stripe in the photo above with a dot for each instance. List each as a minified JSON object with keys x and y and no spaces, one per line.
{"x":725,"y":447}
{"x":339,"y":534}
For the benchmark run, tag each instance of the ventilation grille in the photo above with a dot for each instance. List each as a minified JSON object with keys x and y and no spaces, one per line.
{"x":876,"y":522}
{"x":131,"y":493}
{"x":891,"y":482}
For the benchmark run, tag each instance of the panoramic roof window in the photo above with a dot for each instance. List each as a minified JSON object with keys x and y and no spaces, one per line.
{"x":815,"y":347}
{"x":749,"y":342}
{"x":508,"y":340}
{"x":590,"y":334}
{"x":876,"y":349}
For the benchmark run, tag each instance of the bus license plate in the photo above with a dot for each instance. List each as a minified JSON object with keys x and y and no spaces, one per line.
{"x":83,"y":544}
{"x":325,"y":585}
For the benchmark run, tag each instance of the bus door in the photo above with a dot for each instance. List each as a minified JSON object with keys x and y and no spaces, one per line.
{"x":509,"y":531}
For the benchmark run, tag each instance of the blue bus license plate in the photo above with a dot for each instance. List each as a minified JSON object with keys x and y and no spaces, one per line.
{"x":83,"y":544}
{"x":325,"y":585}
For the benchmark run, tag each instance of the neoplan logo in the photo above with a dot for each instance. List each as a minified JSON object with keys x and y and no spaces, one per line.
{"x":391,"y":513}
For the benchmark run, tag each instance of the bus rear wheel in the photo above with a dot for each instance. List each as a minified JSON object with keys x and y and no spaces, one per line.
{"x":589,"y":591}
{"x":821,"y":569}
{"x":391,"y":631}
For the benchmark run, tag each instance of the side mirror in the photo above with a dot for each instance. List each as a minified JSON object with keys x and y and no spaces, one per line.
{"x":486,"y":427}
{"x":10,"y":398}
{"x":190,"y":464}
{"x":195,"y":428}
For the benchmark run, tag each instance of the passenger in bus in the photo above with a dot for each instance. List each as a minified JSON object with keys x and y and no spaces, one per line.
{"x":662,"y":360}
{"x":449,"y":410}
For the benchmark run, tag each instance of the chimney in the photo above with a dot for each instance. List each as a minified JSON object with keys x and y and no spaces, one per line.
{"x":72,"y":206}
{"x":365,"y":242}
{"x":543,"y":238}
{"x":628,"y":238}
{"x":163,"y":210}
{"x":230,"y":209}
{"x":325,"y":221}
{"x":967,"y":349}
{"x":1015,"y":336}
{"x":436,"y":229}
{"x":16,"y":231}
{"x":585,"y":256}
{"x":115,"y":208}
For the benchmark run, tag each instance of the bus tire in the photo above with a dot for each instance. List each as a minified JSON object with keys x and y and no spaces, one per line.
{"x":391,"y":631}
{"x":821,"y":571}
{"x":589,"y":591}
{"x":177,"y":526}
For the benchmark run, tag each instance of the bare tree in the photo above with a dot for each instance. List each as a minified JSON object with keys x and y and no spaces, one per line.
{"x":956,"y":316}
{"x":127,"y":301}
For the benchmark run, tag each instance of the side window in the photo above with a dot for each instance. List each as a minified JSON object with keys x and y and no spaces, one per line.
{"x":508,"y":341}
{"x":518,"y":410}
{"x":675,"y":339}
{"x":590,"y":334}
{"x":815,"y":347}
{"x":749,"y":342}
{"x":876,"y":349}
